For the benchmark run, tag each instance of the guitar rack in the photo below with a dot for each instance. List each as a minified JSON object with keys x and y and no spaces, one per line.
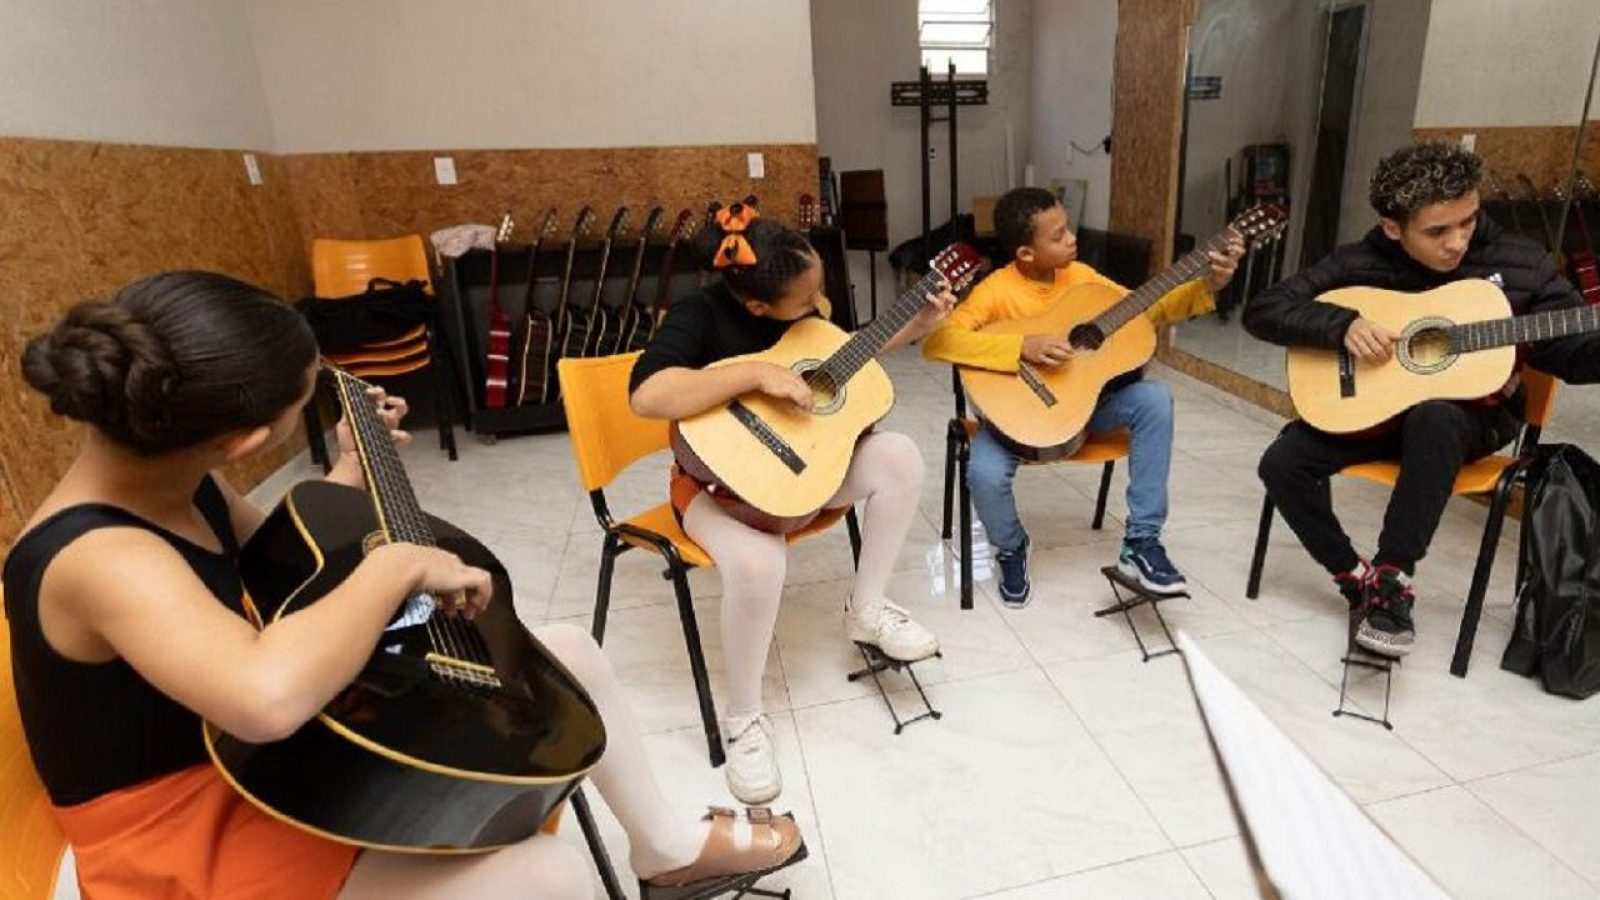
{"x":1140,"y":597}
{"x":465,"y":296}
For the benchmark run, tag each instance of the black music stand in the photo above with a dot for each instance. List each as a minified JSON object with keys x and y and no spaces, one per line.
{"x":863,"y":213}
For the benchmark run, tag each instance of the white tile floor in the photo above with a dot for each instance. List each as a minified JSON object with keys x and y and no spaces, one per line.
{"x":1065,"y":767}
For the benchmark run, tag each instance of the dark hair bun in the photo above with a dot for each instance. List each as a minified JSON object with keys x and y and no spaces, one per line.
{"x":101,"y":366}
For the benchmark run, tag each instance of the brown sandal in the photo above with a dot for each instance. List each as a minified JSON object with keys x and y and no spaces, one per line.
{"x":721,"y":867}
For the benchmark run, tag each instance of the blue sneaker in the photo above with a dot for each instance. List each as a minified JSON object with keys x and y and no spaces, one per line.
{"x":1014,"y":586}
{"x":1144,"y":560}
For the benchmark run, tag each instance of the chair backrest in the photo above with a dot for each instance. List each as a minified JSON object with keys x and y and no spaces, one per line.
{"x":607,"y":435}
{"x":1541,"y":396}
{"x":32,"y":840}
{"x":342,"y":268}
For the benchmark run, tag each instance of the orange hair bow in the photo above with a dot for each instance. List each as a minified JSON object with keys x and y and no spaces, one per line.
{"x":735,"y":250}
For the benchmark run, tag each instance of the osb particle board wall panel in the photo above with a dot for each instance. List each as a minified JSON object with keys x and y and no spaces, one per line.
{"x":385,"y":194}
{"x":1543,"y":153}
{"x":79,"y":220}
{"x":1146,"y":120}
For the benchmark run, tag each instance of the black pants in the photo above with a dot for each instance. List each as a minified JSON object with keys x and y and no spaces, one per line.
{"x":1432,"y":443}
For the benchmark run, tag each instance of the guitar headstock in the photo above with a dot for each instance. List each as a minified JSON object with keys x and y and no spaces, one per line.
{"x":1557,"y":192}
{"x":584,"y":223}
{"x":682,"y":228}
{"x":806,"y":215}
{"x":619,"y":223}
{"x":1260,"y":225}
{"x":1499,"y":187}
{"x":1528,"y":189}
{"x":652,"y":223}
{"x":958,"y":265}
{"x":1582,"y":187}
{"x":548,"y":229}
{"x":503,"y":233}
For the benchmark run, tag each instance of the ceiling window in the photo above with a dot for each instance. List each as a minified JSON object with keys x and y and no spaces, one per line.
{"x":958,"y":30}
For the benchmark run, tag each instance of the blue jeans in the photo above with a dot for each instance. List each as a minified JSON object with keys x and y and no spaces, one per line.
{"x":1144,"y":408}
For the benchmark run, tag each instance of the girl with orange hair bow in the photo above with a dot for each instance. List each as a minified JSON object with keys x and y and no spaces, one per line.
{"x":770,"y":277}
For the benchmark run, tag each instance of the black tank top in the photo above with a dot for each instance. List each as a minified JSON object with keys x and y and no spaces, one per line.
{"x":93,"y":728}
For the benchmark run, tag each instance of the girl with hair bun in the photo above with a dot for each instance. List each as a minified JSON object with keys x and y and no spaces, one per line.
{"x":127,"y":628}
{"x":770,"y":278}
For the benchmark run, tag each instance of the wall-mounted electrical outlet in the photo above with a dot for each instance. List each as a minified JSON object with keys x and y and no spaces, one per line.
{"x":757,"y":164}
{"x":1469,"y":142}
{"x":444,"y":169}
{"x":252,"y":169}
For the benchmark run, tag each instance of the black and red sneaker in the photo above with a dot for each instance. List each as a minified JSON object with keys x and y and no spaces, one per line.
{"x":1384,"y":621}
{"x":1352,"y":585}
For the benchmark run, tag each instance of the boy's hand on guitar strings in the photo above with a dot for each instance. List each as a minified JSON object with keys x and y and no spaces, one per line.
{"x":1368,"y":341}
{"x":1223,"y":265}
{"x":783,"y":384}
{"x":1046,"y":349}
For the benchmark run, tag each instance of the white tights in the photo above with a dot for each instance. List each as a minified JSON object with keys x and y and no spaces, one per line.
{"x":886,"y":472}
{"x":543,"y":866}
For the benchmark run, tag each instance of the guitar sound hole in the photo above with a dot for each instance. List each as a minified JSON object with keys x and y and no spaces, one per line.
{"x":824,"y":392}
{"x":1429,"y":347}
{"x":1086,"y":337}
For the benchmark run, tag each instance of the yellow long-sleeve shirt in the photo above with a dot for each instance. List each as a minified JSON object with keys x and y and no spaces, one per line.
{"x":1008,"y":294}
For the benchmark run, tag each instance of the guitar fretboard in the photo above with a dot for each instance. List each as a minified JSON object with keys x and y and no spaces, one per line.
{"x":392,"y":496}
{"x":869,"y":341}
{"x":1523,"y":329}
{"x":1192,"y":264}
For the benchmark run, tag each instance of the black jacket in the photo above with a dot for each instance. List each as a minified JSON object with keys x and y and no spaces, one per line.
{"x":1286,"y":313}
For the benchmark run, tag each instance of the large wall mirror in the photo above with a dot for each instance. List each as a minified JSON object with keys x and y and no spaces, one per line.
{"x":1294,"y":101}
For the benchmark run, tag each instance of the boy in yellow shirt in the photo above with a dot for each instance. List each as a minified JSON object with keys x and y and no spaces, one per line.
{"x":1032,"y":230}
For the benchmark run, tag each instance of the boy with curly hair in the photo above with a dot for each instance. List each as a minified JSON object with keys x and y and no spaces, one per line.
{"x":1430,"y":232}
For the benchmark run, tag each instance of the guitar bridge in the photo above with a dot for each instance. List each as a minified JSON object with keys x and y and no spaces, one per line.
{"x":469,"y":674}
{"x":768,"y":438}
{"x":1036,"y":384}
{"x":1347,"y":374}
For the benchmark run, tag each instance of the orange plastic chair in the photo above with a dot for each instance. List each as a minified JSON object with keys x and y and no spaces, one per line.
{"x":32,"y":840}
{"x":344,"y":268}
{"x":1105,"y":450}
{"x":1494,"y":475}
{"x":608,"y":437}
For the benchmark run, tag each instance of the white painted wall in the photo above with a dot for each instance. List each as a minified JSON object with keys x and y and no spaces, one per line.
{"x":422,"y":74}
{"x":858,"y":48}
{"x":171,"y":73}
{"x":1500,"y":63}
{"x":1391,"y":84}
{"x":1073,"y":56}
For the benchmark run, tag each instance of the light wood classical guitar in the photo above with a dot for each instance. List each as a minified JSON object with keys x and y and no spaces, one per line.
{"x":1040,"y":413}
{"x":772,"y":464}
{"x":1457,"y":342}
{"x":457,"y":735}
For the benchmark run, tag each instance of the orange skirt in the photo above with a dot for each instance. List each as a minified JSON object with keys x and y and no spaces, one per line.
{"x":189,"y":835}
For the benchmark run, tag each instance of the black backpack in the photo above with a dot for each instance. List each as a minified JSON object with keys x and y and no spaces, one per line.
{"x":1557,"y":632}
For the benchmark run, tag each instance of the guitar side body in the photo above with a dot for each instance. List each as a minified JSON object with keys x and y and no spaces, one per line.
{"x":1384,"y":390}
{"x":716,"y":447}
{"x":404,"y":759}
{"x":497,"y":362}
{"x":1030,"y":426}
{"x":538,"y":338}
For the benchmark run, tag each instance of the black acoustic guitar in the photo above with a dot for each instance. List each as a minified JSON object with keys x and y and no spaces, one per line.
{"x":458,"y":736}
{"x":584,"y":332}
{"x":550,"y":384}
{"x":626,"y":320}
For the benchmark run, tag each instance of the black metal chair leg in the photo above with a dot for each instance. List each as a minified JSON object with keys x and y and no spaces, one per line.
{"x":966,"y":528}
{"x":597,"y":847}
{"x":852,"y":524}
{"x":1258,"y":559}
{"x":697,"y":665}
{"x":609,"y":549}
{"x":1480,"y":574}
{"x":949,"y":477}
{"x":1105,"y":491}
{"x":447,"y":433}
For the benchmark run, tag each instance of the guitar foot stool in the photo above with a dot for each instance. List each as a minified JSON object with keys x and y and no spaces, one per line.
{"x":876,"y":662}
{"x":1360,"y":657}
{"x":1138,"y":596}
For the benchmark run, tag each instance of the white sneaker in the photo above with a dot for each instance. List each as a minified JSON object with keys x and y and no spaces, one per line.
{"x":893,"y":632}
{"x":752,"y":767}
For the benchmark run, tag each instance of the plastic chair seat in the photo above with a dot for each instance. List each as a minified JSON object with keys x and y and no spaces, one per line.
{"x":1479,"y":477}
{"x":1096,"y":448}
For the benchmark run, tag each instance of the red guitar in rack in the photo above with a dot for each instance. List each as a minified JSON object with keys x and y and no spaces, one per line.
{"x":1581,"y":261}
{"x":497,"y":350}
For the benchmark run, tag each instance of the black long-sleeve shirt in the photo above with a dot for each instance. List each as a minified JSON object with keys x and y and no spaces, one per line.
{"x":1287,"y":313}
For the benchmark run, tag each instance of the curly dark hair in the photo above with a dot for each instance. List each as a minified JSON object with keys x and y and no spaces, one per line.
{"x":1420,"y":175}
{"x":782,"y":255}
{"x":1013,"y":218}
{"x":173,"y":360}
